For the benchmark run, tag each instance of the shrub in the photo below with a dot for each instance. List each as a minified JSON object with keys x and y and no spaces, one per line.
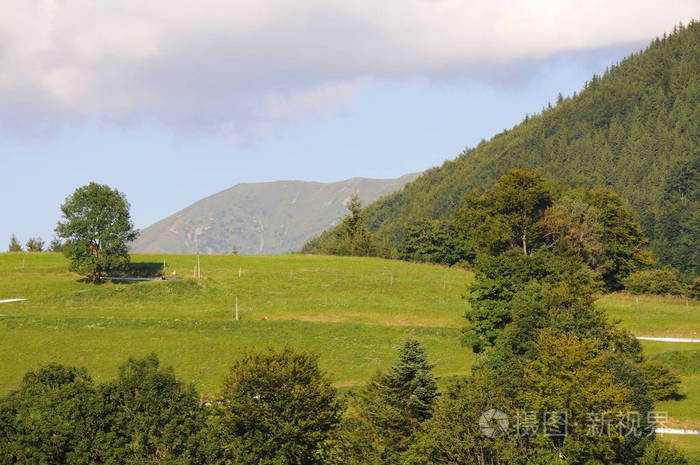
{"x":655,"y":281}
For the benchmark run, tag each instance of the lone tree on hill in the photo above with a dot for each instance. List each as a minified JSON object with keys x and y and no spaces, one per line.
{"x":97,"y":227}
{"x":14,"y":246}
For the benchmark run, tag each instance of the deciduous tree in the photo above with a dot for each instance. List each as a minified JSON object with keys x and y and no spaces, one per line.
{"x":97,"y":226}
{"x":277,"y":408}
{"x":35,"y":244}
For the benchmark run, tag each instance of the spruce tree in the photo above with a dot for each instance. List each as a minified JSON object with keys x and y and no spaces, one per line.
{"x":353,"y":237}
{"x":14,"y":246}
{"x":397,"y":401}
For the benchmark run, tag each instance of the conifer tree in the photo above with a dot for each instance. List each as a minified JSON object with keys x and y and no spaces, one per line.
{"x":353,"y":237}
{"x":15,"y":245}
{"x":394,"y":404}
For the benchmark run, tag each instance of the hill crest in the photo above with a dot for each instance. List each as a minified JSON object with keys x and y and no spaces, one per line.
{"x":261,"y":218}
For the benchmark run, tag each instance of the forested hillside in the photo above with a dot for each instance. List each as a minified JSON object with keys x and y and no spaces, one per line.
{"x":635,"y":129}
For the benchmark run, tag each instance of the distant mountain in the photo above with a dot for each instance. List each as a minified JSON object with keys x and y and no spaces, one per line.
{"x":635,"y":129}
{"x":261,"y":218}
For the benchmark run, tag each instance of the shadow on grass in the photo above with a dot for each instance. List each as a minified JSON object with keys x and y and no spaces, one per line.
{"x":677,"y":397}
{"x":133,"y":273}
{"x":143,"y":270}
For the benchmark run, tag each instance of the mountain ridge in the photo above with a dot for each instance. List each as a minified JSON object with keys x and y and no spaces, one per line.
{"x":260,"y":217}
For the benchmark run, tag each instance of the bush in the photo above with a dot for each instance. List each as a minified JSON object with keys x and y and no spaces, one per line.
{"x":661,"y":282}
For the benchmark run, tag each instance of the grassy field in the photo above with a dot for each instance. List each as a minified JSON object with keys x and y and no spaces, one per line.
{"x":658,"y":316}
{"x":353,"y":312}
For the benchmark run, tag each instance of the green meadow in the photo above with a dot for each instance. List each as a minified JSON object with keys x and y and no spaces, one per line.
{"x":351,"y":311}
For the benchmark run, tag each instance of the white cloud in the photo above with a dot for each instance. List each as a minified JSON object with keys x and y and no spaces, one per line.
{"x":321,"y":99}
{"x":214,"y":64}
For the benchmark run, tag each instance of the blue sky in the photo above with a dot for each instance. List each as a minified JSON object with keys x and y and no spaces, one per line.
{"x":168,"y":123}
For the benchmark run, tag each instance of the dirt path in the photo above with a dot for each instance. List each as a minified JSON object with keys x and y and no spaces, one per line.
{"x":677,"y":431}
{"x":667,"y":339}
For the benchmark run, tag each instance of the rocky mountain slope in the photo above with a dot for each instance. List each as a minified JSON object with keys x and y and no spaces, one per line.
{"x":261,"y":218}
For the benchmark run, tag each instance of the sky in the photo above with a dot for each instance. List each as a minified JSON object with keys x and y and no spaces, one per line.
{"x":170,"y":102}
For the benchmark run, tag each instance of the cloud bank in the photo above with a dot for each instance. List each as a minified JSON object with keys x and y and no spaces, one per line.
{"x":231,"y":66}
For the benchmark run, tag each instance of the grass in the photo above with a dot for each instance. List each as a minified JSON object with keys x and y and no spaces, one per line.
{"x":688,"y":444}
{"x":202,"y":351}
{"x":284,"y":287}
{"x":659,"y":316}
{"x":353,"y":312}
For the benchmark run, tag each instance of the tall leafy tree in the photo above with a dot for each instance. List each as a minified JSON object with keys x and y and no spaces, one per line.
{"x":55,"y":417}
{"x":596,"y":226}
{"x":510,"y":214}
{"x":572,"y":224}
{"x":277,"y":408}
{"x":580,"y":377}
{"x":499,"y":279}
{"x":622,"y":235}
{"x":97,"y":227}
{"x":151,"y":416}
{"x":436,"y":241}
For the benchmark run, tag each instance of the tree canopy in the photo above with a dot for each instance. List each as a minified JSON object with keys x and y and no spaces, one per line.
{"x":97,"y":227}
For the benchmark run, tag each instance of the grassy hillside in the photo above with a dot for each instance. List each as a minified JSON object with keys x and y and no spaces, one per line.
{"x":351,"y":311}
{"x":258,"y":218}
{"x":636,"y":129}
